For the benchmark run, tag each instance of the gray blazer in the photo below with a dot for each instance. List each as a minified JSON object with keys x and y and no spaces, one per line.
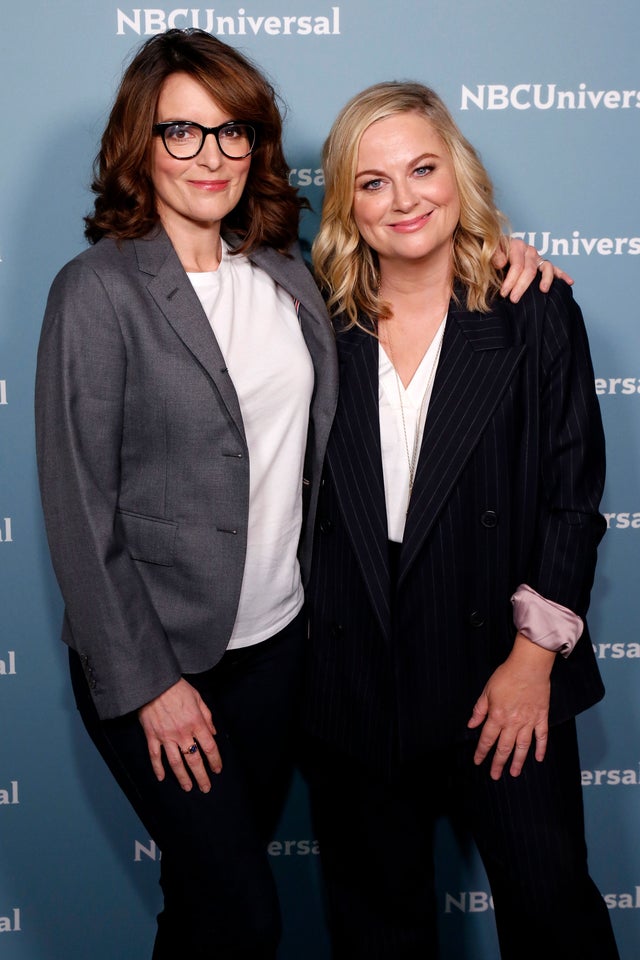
{"x":143,"y":462}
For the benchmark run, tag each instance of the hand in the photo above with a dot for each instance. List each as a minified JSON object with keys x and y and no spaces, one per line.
{"x":514,"y":707}
{"x":173,"y":721}
{"x":524,"y":262}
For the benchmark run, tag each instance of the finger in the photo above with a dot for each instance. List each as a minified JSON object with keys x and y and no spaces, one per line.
{"x":207,"y":717}
{"x":520,"y":752}
{"x":519,"y":283}
{"x":547,"y":272}
{"x":193,"y":762}
{"x":562,"y":275}
{"x":488,"y":738}
{"x":504,"y":749}
{"x":155,"y":755}
{"x":208,"y":748}
{"x":542,"y":739}
{"x":509,"y":281}
{"x":479,"y":712}
{"x":499,"y":258}
{"x":176,"y":760}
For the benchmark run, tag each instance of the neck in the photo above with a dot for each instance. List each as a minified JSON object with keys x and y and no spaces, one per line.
{"x":409,"y":286}
{"x":198,"y":245}
{"x":419,"y":299}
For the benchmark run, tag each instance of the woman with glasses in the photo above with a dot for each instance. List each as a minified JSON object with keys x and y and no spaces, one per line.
{"x":186,"y":364}
{"x":186,"y":385}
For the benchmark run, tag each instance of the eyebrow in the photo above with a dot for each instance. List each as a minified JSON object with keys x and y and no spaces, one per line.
{"x":412,"y":163}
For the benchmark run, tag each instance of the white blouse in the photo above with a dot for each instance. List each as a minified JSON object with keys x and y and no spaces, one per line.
{"x":412,"y":402}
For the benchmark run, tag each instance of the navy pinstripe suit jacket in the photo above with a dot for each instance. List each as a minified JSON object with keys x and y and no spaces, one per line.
{"x":507,"y":490}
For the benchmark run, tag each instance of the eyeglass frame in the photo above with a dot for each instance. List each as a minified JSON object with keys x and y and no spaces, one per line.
{"x":159,"y":130}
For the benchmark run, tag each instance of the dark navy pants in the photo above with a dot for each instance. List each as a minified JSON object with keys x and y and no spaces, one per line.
{"x":220,"y":899}
{"x":376,"y":846}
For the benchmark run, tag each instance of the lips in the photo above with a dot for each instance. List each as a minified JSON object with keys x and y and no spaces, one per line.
{"x":210,"y":186}
{"x":409,"y":226}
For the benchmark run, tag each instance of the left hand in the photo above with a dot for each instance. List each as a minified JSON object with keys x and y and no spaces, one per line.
{"x":524,"y":263}
{"x":514,"y":707}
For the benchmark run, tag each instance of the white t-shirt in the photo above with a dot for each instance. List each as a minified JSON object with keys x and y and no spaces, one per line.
{"x":257,"y":328}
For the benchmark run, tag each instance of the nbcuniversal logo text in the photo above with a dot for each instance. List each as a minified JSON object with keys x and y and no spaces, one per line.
{"x":615,"y":386}
{"x":622,"y":521}
{"x":545,"y":96}
{"x":151,"y":20}
{"x":577,"y":245}
{"x":9,"y":796}
{"x":8,"y":665}
{"x":11,"y":923}
{"x":277,"y":848}
{"x":479,"y":901}
{"x":612,"y":778}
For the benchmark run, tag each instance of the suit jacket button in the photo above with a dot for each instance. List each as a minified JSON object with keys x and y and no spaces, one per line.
{"x":326,"y":525}
{"x":476,"y":619}
{"x":336,"y":631}
{"x":489,"y":518}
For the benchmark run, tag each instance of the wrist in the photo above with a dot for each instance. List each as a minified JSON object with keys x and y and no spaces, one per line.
{"x":532,"y":656}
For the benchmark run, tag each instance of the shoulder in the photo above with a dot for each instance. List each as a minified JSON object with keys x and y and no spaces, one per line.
{"x":545,"y":315}
{"x":558,"y":301}
{"x":96,"y":261}
{"x":90,"y":291}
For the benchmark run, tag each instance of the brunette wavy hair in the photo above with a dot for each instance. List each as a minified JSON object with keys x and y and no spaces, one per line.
{"x":269,"y":209}
{"x":346,"y":266}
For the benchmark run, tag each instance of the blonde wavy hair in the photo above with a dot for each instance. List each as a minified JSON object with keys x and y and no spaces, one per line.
{"x":346,"y":266}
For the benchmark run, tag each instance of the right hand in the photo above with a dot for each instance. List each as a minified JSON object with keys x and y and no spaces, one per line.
{"x":172,"y":721}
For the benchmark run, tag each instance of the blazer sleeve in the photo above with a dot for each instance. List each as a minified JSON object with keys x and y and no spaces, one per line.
{"x":572,"y":463}
{"x":80,"y":393}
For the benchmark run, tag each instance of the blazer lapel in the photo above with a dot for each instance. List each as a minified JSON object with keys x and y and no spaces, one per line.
{"x":478,"y":359}
{"x":175,"y":297}
{"x":355,"y":461}
{"x":293,"y":276}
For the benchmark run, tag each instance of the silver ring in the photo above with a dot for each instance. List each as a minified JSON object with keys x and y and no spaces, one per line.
{"x":540,"y":262}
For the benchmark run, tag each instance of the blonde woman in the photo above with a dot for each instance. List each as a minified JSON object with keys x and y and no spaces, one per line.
{"x":454,"y":555}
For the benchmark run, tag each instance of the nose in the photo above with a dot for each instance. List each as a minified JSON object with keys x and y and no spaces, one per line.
{"x":403,"y":196}
{"x":211,"y":155}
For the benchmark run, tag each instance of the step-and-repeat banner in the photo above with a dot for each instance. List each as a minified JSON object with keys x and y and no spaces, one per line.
{"x":550,"y":94}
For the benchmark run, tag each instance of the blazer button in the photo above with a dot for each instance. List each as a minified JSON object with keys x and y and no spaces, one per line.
{"x":336,"y":631}
{"x":326,"y":525}
{"x":476,"y":619}
{"x":489,"y":518}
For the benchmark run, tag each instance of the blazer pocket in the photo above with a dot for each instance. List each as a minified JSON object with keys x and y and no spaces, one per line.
{"x":147,"y":538}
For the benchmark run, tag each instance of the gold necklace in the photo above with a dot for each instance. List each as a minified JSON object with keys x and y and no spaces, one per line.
{"x":412,"y":458}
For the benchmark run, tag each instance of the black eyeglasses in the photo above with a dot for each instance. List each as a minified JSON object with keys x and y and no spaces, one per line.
{"x":184,"y":139}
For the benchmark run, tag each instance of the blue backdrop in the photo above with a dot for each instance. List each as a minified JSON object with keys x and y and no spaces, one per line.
{"x":550,"y":94}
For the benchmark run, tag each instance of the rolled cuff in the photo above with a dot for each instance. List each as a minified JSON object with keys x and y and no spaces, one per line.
{"x":544,"y":622}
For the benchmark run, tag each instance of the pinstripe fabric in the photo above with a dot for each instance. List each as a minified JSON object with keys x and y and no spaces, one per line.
{"x":507,"y":489}
{"x":376,"y":841}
